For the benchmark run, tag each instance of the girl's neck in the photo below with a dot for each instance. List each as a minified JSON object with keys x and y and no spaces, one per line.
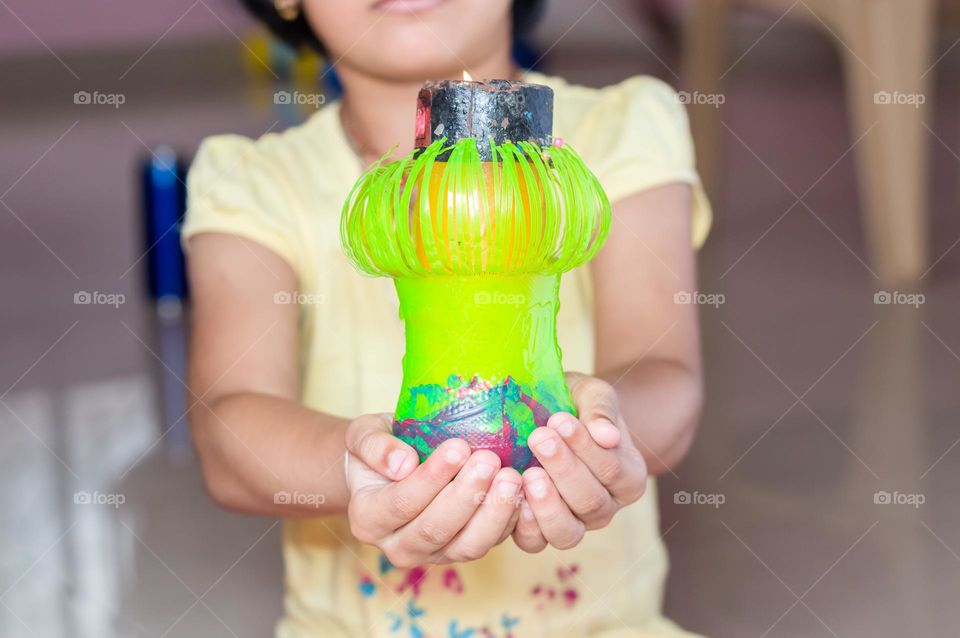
{"x":378,"y":115}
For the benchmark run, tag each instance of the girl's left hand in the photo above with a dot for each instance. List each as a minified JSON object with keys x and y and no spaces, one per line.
{"x":590,"y":470}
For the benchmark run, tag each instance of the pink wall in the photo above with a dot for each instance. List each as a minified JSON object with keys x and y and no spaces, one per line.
{"x":65,"y":25}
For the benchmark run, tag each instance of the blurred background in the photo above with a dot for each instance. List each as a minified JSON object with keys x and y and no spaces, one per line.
{"x":818,"y":499}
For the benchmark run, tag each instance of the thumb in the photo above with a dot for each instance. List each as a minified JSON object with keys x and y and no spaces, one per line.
{"x":370,"y":440}
{"x":597,"y":408}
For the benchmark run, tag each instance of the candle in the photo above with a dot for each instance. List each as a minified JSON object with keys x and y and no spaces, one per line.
{"x":498,"y":110}
{"x":476,"y":226}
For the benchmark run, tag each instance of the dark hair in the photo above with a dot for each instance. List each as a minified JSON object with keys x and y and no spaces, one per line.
{"x":298,"y":33}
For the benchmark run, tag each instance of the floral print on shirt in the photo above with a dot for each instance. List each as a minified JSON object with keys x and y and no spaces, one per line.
{"x":407,"y":619}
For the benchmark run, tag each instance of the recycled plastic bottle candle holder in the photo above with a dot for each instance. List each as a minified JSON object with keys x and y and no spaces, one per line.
{"x":476,"y":232}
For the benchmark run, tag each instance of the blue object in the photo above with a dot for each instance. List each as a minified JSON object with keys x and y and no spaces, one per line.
{"x":332,"y":80}
{"x":164,"y":199}
{"x":526,"y":55}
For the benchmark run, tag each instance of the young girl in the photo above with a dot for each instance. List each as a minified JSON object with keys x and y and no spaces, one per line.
{"x":290,"y":397}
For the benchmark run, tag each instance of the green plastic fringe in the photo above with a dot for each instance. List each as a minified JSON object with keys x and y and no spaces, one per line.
{"x":531,"y":210}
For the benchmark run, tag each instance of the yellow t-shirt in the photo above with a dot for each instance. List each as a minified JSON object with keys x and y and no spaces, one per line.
{"x":285,"y":191}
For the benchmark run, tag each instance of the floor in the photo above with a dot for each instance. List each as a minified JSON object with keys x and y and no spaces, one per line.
{"x":818,"y":499}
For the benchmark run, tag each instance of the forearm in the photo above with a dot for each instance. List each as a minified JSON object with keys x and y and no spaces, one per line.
{"x":258,"y":451}
{"x":661,"y":402}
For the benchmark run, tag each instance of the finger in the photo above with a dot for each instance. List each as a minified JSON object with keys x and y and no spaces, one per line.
{"x":449,"y":512}
{"x":597,"y":407}
{"x":610,"y":467}
{"x":622,"y":471}
{"x":370,"y":439}
{"x":399,"y":503}
{"x":557,"y":523}
{"x":578,"y":438}
{"x":527,"y":533}
{"x":586,"y":497}
{"x":485,"y":529}
{"x":512,"y":523}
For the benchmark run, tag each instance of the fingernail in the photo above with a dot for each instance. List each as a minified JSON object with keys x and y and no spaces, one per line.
{"x":606,"y":427}
{"x":483,"y":470}
{"x":525,"y":512}
{"x":538,"y":488}
{"x":453,"y":455}
{"x":566,"y":426}
{"x":547,"y":446}
{"x":508,"y":488}
{"x":607,"y":423}
{"x":408,"y":464}
{"x":395,"y":461}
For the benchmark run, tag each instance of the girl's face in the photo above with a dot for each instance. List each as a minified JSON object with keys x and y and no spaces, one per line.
{"x":411,"y":39}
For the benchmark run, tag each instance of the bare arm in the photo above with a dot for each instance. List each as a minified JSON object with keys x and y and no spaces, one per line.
{"x":256,"y":441}
{"x":648,"y":347}
{"x":253,"y":437}
{"x":640,"y":412}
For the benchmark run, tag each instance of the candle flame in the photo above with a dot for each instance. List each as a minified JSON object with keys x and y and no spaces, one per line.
{"x":467,"y":77}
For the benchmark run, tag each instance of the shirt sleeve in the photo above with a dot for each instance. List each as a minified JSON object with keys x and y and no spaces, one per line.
{"x":636,"y":137}
{"x":234,"y":188}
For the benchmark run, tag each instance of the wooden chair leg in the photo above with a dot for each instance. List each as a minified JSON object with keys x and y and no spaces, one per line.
{"x":886,"y":47}
{"x":703,"y":61}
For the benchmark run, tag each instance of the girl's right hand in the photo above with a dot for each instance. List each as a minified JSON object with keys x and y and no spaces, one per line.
{"x":453,"y":507}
